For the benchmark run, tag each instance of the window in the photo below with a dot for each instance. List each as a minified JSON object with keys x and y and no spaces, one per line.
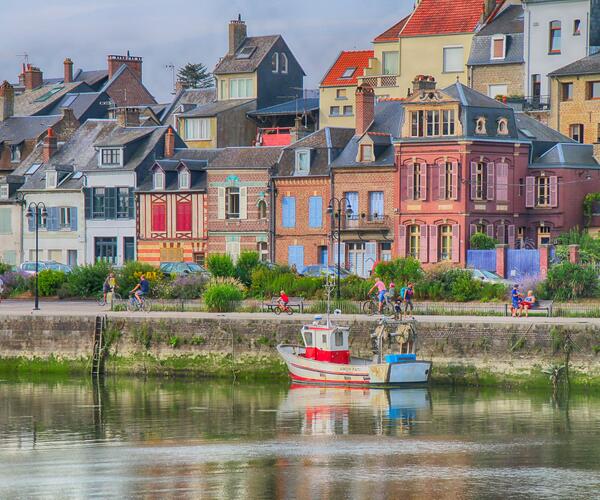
{"x":315,"y":212}
{"x":497,"y":90}
{"x":376,"y":212}
{"x":453,"y":59}
{"x":184,"y":179}
{"x":158,"y":179}
{"x":65,"y":218}
{"x":498,"y":47}
{"x":184,"y":216}
{"x":232,"y":203}
{"x":263,"y":251}
{"x":323,"y":255}
{"x":347,"y":110}
{"x":275,"y":62}
{"x":366,"y":152}
{"x":480,"y":177}
{"x":385,"y":250}
{"x":417,"y":118}
{"x":416,"y":175}
{"x":302,"y":162}
{"x":51,"y":179}
{"x":199,"y":258}
{"x":223,"y":86}
{"x":241,"y":88}
{"x":480,"y":125}
{"x":15,"y":153}
{"x":3,"y":191}
{"x":159,"y":217}
{"x":334,"y":111}
{"x":105,"y":249}
{"x":196,"y":129}
{"x":110,"y":157}
{"x":98,"y":203}
{"x":577,"y":27}
{"x":128,"y":248}
{"x":448,"y":122}
{"x":341,"y":94}
{"x":433,"y":123}
{"x":123,"y":202}
{"x":566,"y":91}
{"x":339,"y":338}
{"x":447,"y":193}
{"x":555,"y":30}
{"x":502,"y":126}
{"x":414,"y":240}
{"x":245,"y":53}
{"x":288,"y":211}
{"x":348,"y":72}
{"x":576,"y":132}
{"x":262,"y":209}
{"x":544,"y":235}
{"x":536,"y":86}
{"x":542,"y":189}
{"x":445,"y":242}
{"x":427,"y":123}
{"x":5,"y":221}
{"x":283,"y":65}
{"x":390,"y":63}
{"x":593,"y":90}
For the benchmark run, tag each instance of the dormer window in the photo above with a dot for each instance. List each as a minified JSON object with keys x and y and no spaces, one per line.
{"x":184,"y":179}
{"x":275,"y":62}
{"x":51,"y":179}
{"x":302,"y":162}
{"x":498,"y":47}
{"x":366,"y":152}
{"x":348,"y":72}
{"x":111,"y":157}
{"x":3,"y":191}
{"x":15,"y":153}
{"x":245,"y":53}
{"x":158,"y":179}
{"x":480,"y":126}
{"x":283,"y":63}
{"x":502,"y":126}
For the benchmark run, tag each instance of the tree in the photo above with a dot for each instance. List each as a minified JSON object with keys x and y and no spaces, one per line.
{"x":481,"y":241}
{"x":195,"y":76}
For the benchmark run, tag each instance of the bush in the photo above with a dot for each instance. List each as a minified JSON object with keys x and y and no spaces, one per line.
{"x":4,"y":268}
{"x":400,"y":271}
{"x":269,"y":282}
{"x":568,"y":281}
{"x":186,"y":287}
{"x":15,"y":283}
{"x":355,"y":288}
{"x":481,"y":241}
{"x":465,"y":288}
{"x":247,"y":262}
{"x":49,"y":281}
{"x":85,"y":281}
{"x":220,"y":265}
{"x":222,"y":297}
{"x":129,"y":276}
{"x":228,"y":281}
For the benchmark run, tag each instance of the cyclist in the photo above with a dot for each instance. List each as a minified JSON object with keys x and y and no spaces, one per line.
{"x":407,"y":294}
{"x":110,"y":283}
{"x":283,"y":300}
{"x":381,"y":291}
{"x":141,"y":289}
{"x":395,"y":300}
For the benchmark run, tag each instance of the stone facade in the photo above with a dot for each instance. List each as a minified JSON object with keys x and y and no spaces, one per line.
{"x":511,"y":75}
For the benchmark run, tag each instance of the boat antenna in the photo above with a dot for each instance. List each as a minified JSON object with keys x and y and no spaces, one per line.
{"x":329,"y":286}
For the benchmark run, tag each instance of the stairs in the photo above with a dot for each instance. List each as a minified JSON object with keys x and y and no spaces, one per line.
{"x":98,"y":353}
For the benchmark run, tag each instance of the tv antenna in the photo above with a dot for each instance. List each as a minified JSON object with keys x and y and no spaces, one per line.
{"x":171,"y":67}
{"x":25,"y":57}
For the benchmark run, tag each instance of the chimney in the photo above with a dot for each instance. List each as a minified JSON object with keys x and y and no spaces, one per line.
{"x":596,"y":151}
{"x":128,"y":117}
{"x":237,"y":34}
{"x":7,"y":101}
{"x":365,"y":108}
{"x":180,"y":85}
{"x":50,"y":146}
{"x":22,"y":75}
{"x":33,"y":77}
{"x":68,"y":66}
{"x":132,"y":62}
{"x":423,"y":83}
{"x":169,"y":143}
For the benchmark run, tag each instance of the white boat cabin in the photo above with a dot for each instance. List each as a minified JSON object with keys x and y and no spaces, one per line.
{"x":326,"y":343}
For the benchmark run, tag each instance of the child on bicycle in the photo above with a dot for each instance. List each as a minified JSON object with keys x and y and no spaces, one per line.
{"x":283,"y":300}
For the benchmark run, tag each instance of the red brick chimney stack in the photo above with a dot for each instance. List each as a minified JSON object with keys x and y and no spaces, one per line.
{"x":33,"y":77}
{"x":50,"y":146}
{"x":238,"y":32}
{"x":365,"y":108}
{"x":7,"y":100}
{"x":68,"y":66}
{"x":134,"y":63}
{"x":169,"y":143}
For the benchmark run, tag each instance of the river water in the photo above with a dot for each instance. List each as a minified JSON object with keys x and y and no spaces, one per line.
{"x":127,"y":438}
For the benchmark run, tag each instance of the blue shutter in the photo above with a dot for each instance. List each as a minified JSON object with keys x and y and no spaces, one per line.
{"x":296,"y":257}
{"x":73,"y":211}
{"x":88,"y":203}
{"x":376,"y":203}
{"x":288,"y":204}
{"x":352,"y":198}
{"x":315,"y":211}
{"x":53,"y":219}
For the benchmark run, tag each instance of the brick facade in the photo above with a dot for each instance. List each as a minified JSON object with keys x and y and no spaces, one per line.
{"x":511,"y":75}
{"x":128,"y":90}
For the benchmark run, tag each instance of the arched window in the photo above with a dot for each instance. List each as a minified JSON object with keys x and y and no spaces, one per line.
{"x":502,"y":126}
{"x":262,"y":209}
{"x":445,"y":246}
{"x":480,"y":125}
{"x":283,"y":62}
{"x":275,"y":62}
{"x":414,"y":240}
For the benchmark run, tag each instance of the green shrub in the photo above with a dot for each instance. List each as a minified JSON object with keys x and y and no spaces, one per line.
{"x":247,"y":262}
{"x":129,"y":276}
{"x":85,"y":281}
{"x":400,"y":271}
{"x":49,"y":281}
{"x":220,"y":265}
{"x":465,"y":288}
{"x":269,"y":282}
{"x":568,"y":281}
{"x":4,"y":268}
{"x":355,"y":288}
{"x":222,"y":297}
{"x":481,"y":241}
{"x":228,"y":281}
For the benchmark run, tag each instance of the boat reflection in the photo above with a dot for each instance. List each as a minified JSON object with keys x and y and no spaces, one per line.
{"x":328,"y":410}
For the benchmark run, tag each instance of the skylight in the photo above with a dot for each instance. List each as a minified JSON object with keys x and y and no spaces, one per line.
{"x":527,"y":133}
{"x":50,"y":93}
{"x":33,"y":169}
{"x":348,"y":72}
{"x":68,"y":101}
{"x":245,"y":53}
{"x":77,"y":175}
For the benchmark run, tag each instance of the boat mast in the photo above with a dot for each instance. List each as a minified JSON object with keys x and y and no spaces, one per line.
{"x":329,"y":286}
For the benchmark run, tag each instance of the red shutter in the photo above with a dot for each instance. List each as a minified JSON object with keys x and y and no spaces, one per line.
{"x":410,"y":187}
{"x":423,"y":244}
{"x":489,"y":229}
{"x":502,"y":234}
{"x":433,"y":244}
{"x":401,"y":241}
{"x":473,"y":180}
{"x":423,"y":181}
{"x":490,"y":181}
{"x":502,"y":182}
{"x":553,"y":191}
{"x":530,"y":192}
{"x":455,"y":243}
{"x":159,"y":217}
{"x":455,"y":181}
{"x":511,"y":236}
{"x":442,"y":180}
{"x":184,"y":216}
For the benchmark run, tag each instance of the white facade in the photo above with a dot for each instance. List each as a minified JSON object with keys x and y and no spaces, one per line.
{"x":574,"y":18}
{"x":10,"y":233}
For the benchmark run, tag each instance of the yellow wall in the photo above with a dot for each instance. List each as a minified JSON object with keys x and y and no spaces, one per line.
{"x":234,"y":76}
{"x":212,"y":143}
{"x":328,"y":99}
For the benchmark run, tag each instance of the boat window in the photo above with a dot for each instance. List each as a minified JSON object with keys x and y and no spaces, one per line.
{"x":324,"y":339}
{"x":339,"y":339}
{"x":308,"y":339}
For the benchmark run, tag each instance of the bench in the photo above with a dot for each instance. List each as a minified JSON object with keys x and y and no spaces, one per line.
{"x":296,"y":303}
{"x":540,"y":305}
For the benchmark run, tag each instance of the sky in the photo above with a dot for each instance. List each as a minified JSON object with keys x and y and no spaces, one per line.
{"x":175,"y":32}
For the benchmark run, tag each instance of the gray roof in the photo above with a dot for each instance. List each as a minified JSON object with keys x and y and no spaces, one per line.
{"x":509,"y":21}
{"x":81,"y":103}
{"x":35,"y":101}
{"x":589,"y":65}
{"x":246,"y":158}
{"x":231,"y":64}
{"x":481,"y":51}
{"x":65,"y":180}
{"x":294,"y":107}
{"x":389,"y":116}
{"x":171,"y":169}
{"x":347,"y":158}
{"x":571,"y":155}
{"x":196,"y":154}
{"x":187,"y":99}
{"x":16,"y":129}
{"x":121,"y":136}
{"x":91,"y":77}
{"x":214,"y":108}
{"x":532,"y":129}
{"x":469,"y":97}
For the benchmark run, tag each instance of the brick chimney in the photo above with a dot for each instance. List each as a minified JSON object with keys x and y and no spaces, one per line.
{"x":33,"y":77}
{"x":169,"y":143}
{"x":423,"y":83}
{"x":7,"y":101}
{"x":237,"y":34}
{"x":134,"y":63}
{"x":50,"y":146}
{"x":180,"y":85}
{"x":68,"y":66}
{"x":596,"y":151}
{"x":365,"y":108}
{"x":128,"y":117}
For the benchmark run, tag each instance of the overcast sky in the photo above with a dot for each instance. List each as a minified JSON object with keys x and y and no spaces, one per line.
{"x":181,"y":31}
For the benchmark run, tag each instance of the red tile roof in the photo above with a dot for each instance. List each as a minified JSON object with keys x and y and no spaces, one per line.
{"x":392,"y":34}
{"x":433,"y":17}
{"x":358,"y":59}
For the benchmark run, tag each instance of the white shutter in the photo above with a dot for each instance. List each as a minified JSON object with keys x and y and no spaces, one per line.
{"x":243,"y":203}
{"x":221,"y":203}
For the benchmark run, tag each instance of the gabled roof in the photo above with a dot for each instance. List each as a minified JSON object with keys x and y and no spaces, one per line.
{"x":589,"y":65}
{"x":231,"y":64}
{"x":437,"y":17}
{"x":392,"y":34}
{"x":214,"y":108}
{"x":510,"y":20}
{"x":122,"y":69}
{"x":469,"y":97}
{"x":121,"y":136}
{"x":17,"y":129}
{"x":294,"y":107}
{"x":91,"y":77}
{"x":35,"y":101}
{"x":81,"y":103}
{"x":358,"y":59}
{"x":532,"y":129}
{"x":171,"y":169}
{"x":187,"y":99}
{"x":246,"y":157}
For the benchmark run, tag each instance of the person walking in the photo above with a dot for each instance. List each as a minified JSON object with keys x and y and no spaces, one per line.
{"x":407,"y":294}
{"x":380,"y":285}
{"x":515,"y":296}
{"x":110,"y":283}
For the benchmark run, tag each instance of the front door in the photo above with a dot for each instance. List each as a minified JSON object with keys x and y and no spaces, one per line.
{"x":356,"y":259}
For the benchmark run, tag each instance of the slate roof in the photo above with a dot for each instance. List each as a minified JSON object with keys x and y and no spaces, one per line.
{"x":294,"y":107}
{"x":389,"y":116}
{"x":16,"y":129}
{"x":171,"y":168}
{"x":536,"y":130}
{"x":82,"y":103}
{"x":121,"y":136}
{"x":436,"y":17}
{"x":187,"y":99}
{"x":469,"y":97}
{"x":33,"y":102}
{"x":510,"y":20}
{"x":589,"y":65}
{"x":214,"y":108}
{"x":230,"y":64}
{"x":91,"y":77}
{"x":246,"y":158}
{"x":567,"y":155}
{"x":196,"y":154}
{"x":38,"y":179}
{"x":392,"y":34}
{"x":358,"y":59}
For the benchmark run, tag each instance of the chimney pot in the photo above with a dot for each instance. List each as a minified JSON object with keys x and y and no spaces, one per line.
{"x":50,"y":146}
{"x":134,"y":63}
{"x":423,"y":83}
{"x":34,"y":77}
{"x":68,"y":67}
{"x":365,"y":108}
{"x":7,"y":100}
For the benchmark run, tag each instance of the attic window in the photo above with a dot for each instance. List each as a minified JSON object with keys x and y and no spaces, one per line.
{"x":51,"y":179}
{"x":502,"y":126}
{"x":498,"y":47}
{"x":245,"y":53}
{"x":348,"y":73}
{"x":283,"y":63}
{"x":302,"y":162}
{"x":158,"y":179}
{"x":527,"y":133}
{"x":184,"y":179}
{"x":110,"y":157}
{"x":33,"y":169}
{"x":366,"y":152}
{"x":480,"y":126}
{"x":15,"y":153}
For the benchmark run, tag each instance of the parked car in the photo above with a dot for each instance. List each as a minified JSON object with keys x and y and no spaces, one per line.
{"x":319,"y":271}
{"x":487,"y":276}
{"x":180,"y":268}
{"x":29,"y":267}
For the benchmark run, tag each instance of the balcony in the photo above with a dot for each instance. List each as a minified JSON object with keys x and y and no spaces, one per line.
{"x":379,"y":81}
{"x":367,"y":222}
{"x":528,"y":103}
{"x":274,"y":136}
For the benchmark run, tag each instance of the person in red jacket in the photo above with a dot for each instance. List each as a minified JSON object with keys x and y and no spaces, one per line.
{"x":283,"y":300}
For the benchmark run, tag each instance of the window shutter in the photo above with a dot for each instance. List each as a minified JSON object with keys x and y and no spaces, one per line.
{"x":472,"y":230}
{"x":243,"y":202}
{"x":221,"y":203}
{"x":473,"y":180}
{"x":511,"y":236}
{"x":73,"y":215}
{"x":87,"y":194}
{"x":489,"y":229}
{"x":502,"y":234}
{"x":502,"y":182}
{"x":316,"y":210}
{"x":423,"y":181}
{"x":159,"y":217}
{"x":370,"y":257}
{"x":433,"y":244}
{"x":529,"y":191}
{"x":131,"y":206}
{"x":455,"y":181}
{"x":490,"y":181}
{"x":53,"y":222}
{"x":342,"y":262}
{"x":553,"y":191}
{"x":442,"y":180}
{"x":423,"y":257}
{"x":296,"y":256}
{"x":288,"y":206}
{"x":455,"y":242}
{"x":110,"y":203}
{"x":410,"y":187}
{"x":401,"y":241}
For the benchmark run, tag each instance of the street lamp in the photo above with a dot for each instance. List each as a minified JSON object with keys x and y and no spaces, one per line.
{"x":36,"y":212}
{"x":335,"y":207}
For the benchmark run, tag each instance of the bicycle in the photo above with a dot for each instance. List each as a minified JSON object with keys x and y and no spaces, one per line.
{"x":134,"y":305}
{"x":110,"y":298}
{"x":371,"y":307}
{"x":285,"y":308}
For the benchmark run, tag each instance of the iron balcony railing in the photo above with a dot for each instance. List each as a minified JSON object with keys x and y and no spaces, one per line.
{"x":377,"y":81}
{"x":366,"y":222}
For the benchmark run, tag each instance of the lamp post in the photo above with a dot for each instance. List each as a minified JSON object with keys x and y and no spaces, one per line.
{"x":36,"y":212}
{"x":336,"y":207}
